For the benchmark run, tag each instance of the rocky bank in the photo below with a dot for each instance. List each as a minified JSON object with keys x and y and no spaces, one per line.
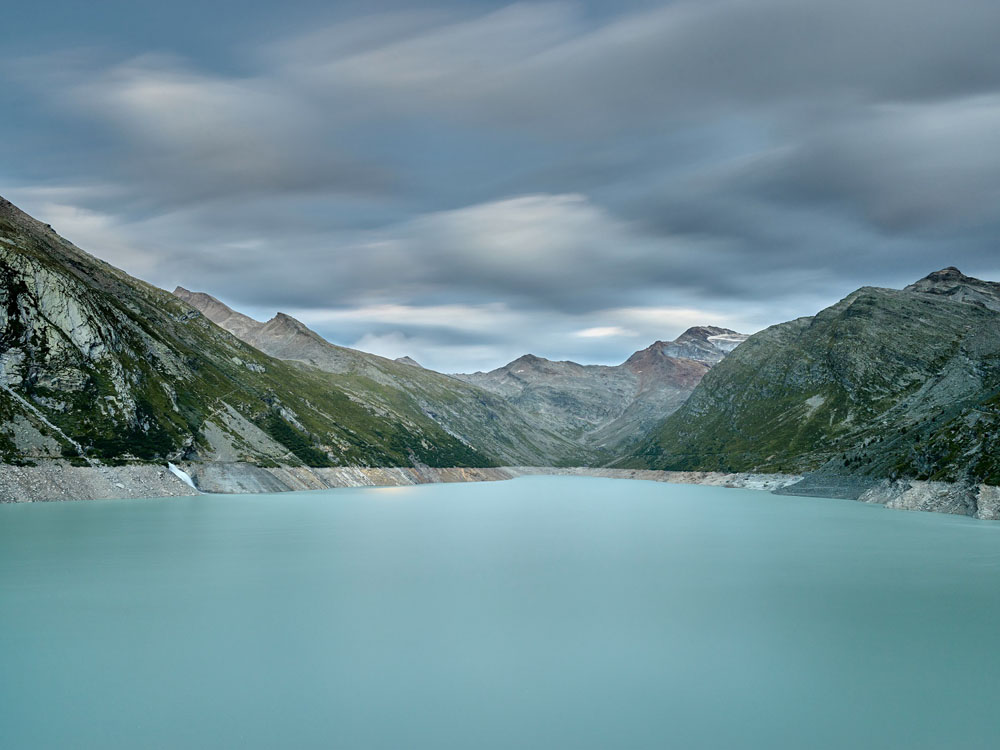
{"x":58,"y":480}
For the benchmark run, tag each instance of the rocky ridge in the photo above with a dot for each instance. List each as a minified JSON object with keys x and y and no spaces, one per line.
{"x":608,"y":407}
{"x":475,"y":416}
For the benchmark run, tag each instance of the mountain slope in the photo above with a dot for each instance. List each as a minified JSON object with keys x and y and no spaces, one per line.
{"x":475,"y":416}
{"x":96,"y":366}
{"x":884,"y":384}
{"x":606,"y":407}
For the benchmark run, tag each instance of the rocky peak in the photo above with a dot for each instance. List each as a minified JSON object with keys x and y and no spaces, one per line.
{"x":221,"y":314}
{"x":707,"y":344}
{"x":952,"y":283}
{"x":298,"y":341}
{"x":283,"y":321}
{"x":202,"y":301}
{"x":949,"y":273}
{"x":527,"y":360}
{"x":409,"y":361}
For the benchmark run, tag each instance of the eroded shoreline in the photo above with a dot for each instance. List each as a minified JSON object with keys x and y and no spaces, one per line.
{"x":60,"y":481}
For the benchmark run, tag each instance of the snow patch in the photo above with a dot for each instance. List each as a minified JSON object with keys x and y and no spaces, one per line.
{"x":728,"y":341}
{"x":182,"y":475}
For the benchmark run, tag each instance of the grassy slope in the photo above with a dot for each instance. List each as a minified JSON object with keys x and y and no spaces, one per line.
{"x":883,"y":384}
{"x":165,"y":370}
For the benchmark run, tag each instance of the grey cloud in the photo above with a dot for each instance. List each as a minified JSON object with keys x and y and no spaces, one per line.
{"x":544,"y":252}
{"x":900,"y":167}
{"x":189,"y":136}
{"x":530,"y":66}
{"x":751,"y":160}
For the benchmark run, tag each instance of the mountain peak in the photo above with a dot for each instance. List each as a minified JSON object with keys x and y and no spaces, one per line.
{"x":528,"y":359}
{"x":283,"y":324}
{"x":704,"y":333}
{"x":948,"y":274}
{"x":707,"y":344}
{"x":218,"y":312}
{"x":952,"y":283}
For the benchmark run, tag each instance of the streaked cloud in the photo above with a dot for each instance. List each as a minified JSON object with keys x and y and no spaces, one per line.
{"x":473,"y":180}
{"x":602,"y":332}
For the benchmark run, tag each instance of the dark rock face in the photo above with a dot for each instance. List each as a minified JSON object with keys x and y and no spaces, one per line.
{"x":884,"y":384}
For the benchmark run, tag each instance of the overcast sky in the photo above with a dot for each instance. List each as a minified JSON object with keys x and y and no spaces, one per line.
{"x":467,"y":182}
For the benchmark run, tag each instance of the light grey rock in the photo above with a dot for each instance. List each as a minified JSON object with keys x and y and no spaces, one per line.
{"x":935,"y":497}
{"x":988,"y":503}
{"x":51,"y":480}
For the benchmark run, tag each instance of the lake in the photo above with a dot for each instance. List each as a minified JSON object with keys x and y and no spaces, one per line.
{"x":544,"y":612}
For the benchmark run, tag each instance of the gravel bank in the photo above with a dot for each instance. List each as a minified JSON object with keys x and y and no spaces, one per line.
{"x":59,"y":480}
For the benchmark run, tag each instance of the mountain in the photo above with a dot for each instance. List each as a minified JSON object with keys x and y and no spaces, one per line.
{"x":950,"y":283}
{"x":884,"y":384}
{"x":606,"y":407}
{"x":473,"y":415}
{"x":706,"y":344}
{"x":97,"y":367}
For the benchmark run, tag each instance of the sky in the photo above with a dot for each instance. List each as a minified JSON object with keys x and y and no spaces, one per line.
{"x":465,"y":182}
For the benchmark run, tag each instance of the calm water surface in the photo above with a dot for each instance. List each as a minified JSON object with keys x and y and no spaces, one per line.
{"x":548,"y":612}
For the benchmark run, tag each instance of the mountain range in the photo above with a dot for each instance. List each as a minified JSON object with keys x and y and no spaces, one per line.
{"x":530,"y":411}
{"x":474,"y":416}
{"x":608,"y":407}
{"x":885,"y":384}
{"x":99,"y":369}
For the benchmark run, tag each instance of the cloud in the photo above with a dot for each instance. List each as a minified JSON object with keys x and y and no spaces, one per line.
{"x":475,"y":337}
{"x":486,"y":180}
{"x":537,"y":253}
{"x":188,"y":136}
{"x":600,"y":332}
{"x":897,"y":166}
{"x":532,"y":65}
{"x":429,"y":352}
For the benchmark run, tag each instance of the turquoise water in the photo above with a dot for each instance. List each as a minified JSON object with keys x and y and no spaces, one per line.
{"x":549,"y":612}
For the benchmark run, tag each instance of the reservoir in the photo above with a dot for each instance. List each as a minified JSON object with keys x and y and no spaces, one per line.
{"x":543,"y":612}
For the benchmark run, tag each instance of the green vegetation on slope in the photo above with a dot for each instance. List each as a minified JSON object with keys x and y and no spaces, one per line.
{"x":884,"y":384}
{"x":132,"y":373}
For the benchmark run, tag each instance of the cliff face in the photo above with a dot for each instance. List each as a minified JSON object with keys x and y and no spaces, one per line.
{"x":97,"y":367}
{"x":885,"y":384}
